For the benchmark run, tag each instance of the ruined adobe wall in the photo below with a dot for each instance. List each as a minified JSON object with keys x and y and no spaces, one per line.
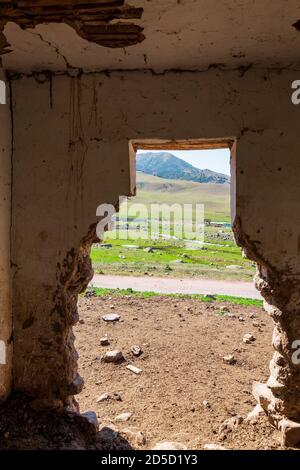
{"x":5,"y":223}
{"x":71,"y":154}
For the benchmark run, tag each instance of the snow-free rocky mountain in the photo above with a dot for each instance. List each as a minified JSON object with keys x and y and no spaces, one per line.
{"x":165,"y":165}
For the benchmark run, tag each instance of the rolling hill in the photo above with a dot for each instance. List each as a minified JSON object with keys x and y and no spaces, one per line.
{"x":165,"y":165}
{"x":215,"y":197}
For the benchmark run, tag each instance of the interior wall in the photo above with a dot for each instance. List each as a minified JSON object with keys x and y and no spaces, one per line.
{"x":5,"y":224}
{"x":71,"y":154}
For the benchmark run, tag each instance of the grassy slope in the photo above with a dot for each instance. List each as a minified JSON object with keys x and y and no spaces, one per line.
{"x":215,"y":197}
{"x":208,"y":262}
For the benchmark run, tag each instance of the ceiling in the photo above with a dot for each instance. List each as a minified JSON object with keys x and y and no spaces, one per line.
{"x":156,"y":34}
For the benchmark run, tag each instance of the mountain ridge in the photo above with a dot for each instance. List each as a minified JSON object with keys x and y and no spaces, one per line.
{"x":168,"y":166}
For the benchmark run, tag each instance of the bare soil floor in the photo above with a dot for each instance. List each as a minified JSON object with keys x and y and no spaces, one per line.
{"x":183,"y":343}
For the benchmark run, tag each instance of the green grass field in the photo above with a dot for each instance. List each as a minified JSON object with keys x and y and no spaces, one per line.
{"x":219,"y":258}
{"x":101,"y":292}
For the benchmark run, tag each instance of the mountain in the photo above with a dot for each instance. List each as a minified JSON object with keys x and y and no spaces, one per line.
{"x":166,"y":165}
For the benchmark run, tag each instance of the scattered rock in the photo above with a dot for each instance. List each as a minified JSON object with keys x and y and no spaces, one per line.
{"x":255,"y":323}
{"x":104,"y":341}
{"x":230,"y":424}
{"x":230,"y":359}
{"x":137,"y":437}
{"x":112,"y":307}
{"x":81,"y":321}
{"x":290,"y":432}
{"x":136,"y":351}
{"x":108,"y":396}
{"x":168,"y":445}
{"x":248,"y":338}
{"x":253,"y":416}
{"x":113,"y":356}
{"x":111,"y":317}
{"x":92,"y":419}
{"x":209,"y":297}
{"x":149,"y":249}
{"x":134,"y":369}
{"x":103,"y":397}
{"x":241,"y":318}
{"x":206,"y":404}
{"x":123,"y":417}
{"x":262,"y":394}
{"x":252,"y":315}
{"x":116,"y":397}
{"x":213,"y":447}
{"x":231,"y":315}
{"x":223,"y":308}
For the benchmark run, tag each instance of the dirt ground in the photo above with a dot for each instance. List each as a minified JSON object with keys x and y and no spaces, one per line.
{"x":183,"y":344}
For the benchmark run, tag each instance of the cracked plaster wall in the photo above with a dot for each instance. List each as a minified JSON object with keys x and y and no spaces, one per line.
{"x":71,"y":154}
{"x":5,"y":223}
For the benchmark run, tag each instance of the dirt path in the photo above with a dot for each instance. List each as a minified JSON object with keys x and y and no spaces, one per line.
{"x":178,"y":286}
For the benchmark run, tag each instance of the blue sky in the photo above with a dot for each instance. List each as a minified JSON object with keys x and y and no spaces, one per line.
{"x":216,"y":160}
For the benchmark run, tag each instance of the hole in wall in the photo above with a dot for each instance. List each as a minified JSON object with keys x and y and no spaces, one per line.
{"x":180,"y":346}
{"x":296,"y":25}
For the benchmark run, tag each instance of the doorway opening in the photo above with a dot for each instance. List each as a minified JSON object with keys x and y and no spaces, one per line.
{"x":161,"y":346}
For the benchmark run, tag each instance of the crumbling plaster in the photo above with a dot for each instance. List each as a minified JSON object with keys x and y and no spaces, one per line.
{"x":179,"y":34}
{"x":5,"y":245}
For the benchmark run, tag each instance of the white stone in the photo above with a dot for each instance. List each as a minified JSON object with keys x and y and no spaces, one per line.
{"x":248,"y":338}
{"x":230,"y":359}
{"x":103,"y":397}
{"x":134,"y":369}
{"x":262,"y":394}
{"x":104,"y":341}
{"x":223,"y":308}
{"x":123,"y":417}
{"x":113,"y":356}
{"x":230,"y":424}
{"x":111,"y":317}
{"x":253,"y":416}
{"x":213,"y":447}
{"x":169,"y":445}
{"x":136,"y":351}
